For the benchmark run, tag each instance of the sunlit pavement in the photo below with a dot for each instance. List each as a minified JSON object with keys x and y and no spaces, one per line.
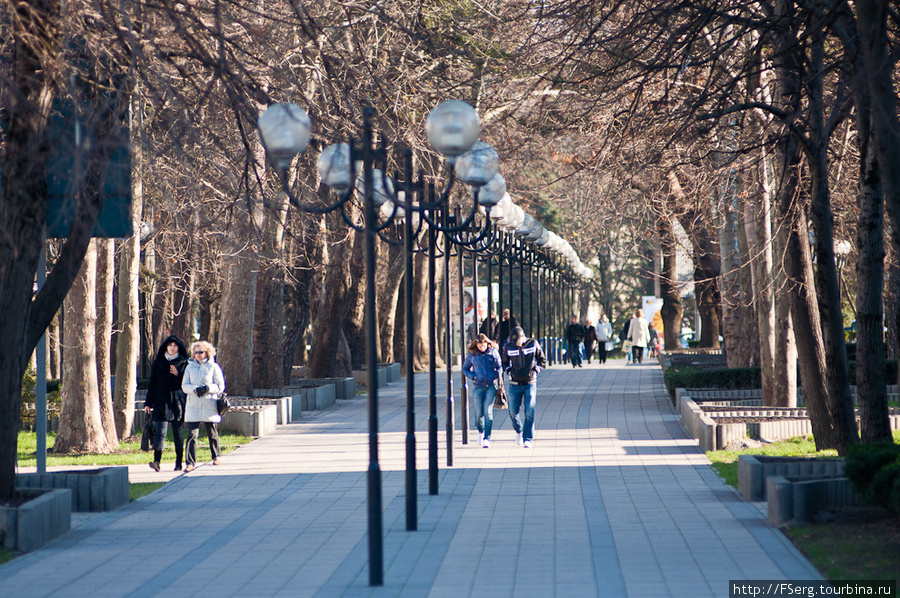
{"x":613,"y":499}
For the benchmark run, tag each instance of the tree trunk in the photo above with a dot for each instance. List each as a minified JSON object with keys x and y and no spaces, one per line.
{"x":354,"y":318}
{"x":872,"y":19}
{"x":388,"y":296}
{"x":330,"y":352}
{"x":741,"y":350}
{"x":758,"y":227}
{"x":840,"y":402}
{"x":235,"y":350}
{"x":875,"y":425}
{"x":672,"y":309}
{"x":106,"y":273}
{"x":797,"y":260}
{"x":80,"y":419}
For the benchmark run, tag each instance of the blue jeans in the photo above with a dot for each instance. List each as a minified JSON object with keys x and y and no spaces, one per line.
{"x":483,"y":397}
{"x":519,"y":394}
{"x":575,"y":352}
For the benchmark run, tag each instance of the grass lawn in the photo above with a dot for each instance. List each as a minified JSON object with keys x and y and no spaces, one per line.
{"x":128,"y":452}
{"x":726,"y":462}
{"x":855,"y":543}
{"x":137,"y":490}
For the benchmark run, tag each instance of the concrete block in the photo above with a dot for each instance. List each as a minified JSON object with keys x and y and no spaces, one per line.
{"x":92,"y":490}
{"x":253,"y":421}
{"x":780,"y":500}
{"x":43,"y":518}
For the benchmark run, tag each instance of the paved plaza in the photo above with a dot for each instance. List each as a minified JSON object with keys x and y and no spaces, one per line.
{"x":613,"y":499}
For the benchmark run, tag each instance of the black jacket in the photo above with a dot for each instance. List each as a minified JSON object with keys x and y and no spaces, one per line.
{"x":164,"y":394}
{"x":505,"y":327}
{"x":523,"y":363}
{"x":575,"y":332}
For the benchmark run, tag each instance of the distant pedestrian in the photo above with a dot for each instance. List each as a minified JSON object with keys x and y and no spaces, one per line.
{"x":653,"y":343}
{"x":483,"y":367}
{"x":490,"y":327}
{"x":165,"y":400}
{"x":203,"y":382}
{"x":590,"y":337}
{"x":523,"y":358}
{"x":639,"y":334}
{"x":626,"y":343}
{"x":574,"y":341}
{"x":604,"y":335}
{"x":507,"y":323}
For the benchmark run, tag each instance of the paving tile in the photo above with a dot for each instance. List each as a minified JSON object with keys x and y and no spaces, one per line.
{"x":613,"y":499}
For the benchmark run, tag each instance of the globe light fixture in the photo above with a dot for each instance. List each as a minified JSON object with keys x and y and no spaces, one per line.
{"x":285,"y":130}
{"x":478,"y":165}
{"x":334,"y":166}
{"x":492,"y":192}
{"x":452,"y":128}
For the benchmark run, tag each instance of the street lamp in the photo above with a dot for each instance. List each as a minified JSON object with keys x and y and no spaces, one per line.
{"x":285,"y":132}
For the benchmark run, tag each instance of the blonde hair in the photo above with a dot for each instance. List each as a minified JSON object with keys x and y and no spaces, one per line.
{"x":203,"y":346}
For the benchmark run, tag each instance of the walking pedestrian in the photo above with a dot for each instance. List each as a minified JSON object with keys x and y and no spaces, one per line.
{"x":523,"y":358}
{"x":490,"y":327}
{"x":626,"y":342}
{"x":483,"y":367}
{"x":507,"y":323}
{"x":574,"y":341}
{"x":165,"y":400}
{"x":653,"y":343}
{"x":590,"y":337}
{"x":639,"y":334}
{"x":203,"y":382}
{"x":604,"y":335}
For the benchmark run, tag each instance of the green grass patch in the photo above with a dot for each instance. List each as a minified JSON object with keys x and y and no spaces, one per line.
{"x":725,"y":462}
{"x":859,"y":543}
{"x":137,"y":490}
{"x":5,"y":556}
{"x":128,"y":453}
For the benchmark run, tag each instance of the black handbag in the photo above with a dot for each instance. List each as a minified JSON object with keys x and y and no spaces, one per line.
{"x":223,"y":405}
{"x":147,"y":435}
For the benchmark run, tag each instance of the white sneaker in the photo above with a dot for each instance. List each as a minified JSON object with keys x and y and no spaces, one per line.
{"x":485,"y":443}
{"x":518,"y":439}
{"x":527,"y":444}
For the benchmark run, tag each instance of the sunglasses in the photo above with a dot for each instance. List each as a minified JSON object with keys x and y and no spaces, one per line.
{"x":199,"y":352}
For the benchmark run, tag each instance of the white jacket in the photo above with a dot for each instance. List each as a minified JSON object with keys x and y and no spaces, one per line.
{"x":604,"y":331}
{"x":638,"y":332}
{"x":200,"y":373}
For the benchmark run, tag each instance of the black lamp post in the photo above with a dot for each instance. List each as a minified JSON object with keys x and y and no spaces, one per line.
{"x":285,"y":131}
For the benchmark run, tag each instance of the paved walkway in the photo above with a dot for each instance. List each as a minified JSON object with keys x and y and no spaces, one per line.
{"x":613,"y":499}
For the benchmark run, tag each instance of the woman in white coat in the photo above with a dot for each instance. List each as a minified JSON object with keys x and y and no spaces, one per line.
{"x":203,"y":383}
{"x":639,"y":335}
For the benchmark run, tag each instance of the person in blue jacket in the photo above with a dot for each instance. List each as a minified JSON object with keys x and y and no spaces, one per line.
{"x":482,"y":366}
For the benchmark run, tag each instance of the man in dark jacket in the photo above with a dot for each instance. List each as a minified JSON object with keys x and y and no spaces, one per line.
{"x":523,"y":358}
{"x":574,"y":341}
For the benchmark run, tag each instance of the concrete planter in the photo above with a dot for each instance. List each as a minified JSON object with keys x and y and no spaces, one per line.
{"x":305,"y":395}
{"x":254,"y":421}
{"x":392,"y":370}
{"x":362,"y":377}
{"x":282,"y":405}
{"x":344,"y":388}
{"x":45,"y":517}
{"x":755,"y":470}
{"x":792,"y":499}
{"x":91,"y":490}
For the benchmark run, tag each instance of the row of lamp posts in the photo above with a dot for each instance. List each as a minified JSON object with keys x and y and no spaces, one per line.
{"x":494,"y":228}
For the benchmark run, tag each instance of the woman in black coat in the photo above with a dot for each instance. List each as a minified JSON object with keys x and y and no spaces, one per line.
{"x":165,"y":399}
